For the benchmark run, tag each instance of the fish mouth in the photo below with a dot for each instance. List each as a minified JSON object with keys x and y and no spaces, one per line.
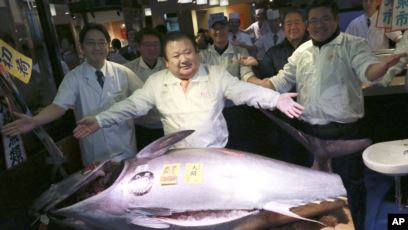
{"x":206,"y":217}
{"x":101,"y":180}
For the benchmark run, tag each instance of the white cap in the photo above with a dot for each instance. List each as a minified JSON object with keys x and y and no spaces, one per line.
{"x":272,"y":14}
{"x":234,"y":15}
{"x":260,"y":10}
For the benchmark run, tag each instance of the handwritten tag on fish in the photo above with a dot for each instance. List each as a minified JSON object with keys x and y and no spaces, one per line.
{"x":193,"y":173}
{"x":169,"y":174}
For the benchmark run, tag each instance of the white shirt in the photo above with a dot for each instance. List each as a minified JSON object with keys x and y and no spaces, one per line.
{"x":259,"y":31}
{"x":328,"y":79}
{"x":152,"y":119}
{"x":199,"y":108}
{"x":80,"y":90}
{"x":143,"y":70}
{"x":376,"y":37}
{"x":266,"y":41}
{"x":228,"y":59}
{"x":241,"y":37}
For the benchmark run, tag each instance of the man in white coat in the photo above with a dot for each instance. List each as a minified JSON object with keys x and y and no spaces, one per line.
{"x":88,"y":89}
{"x":190,"y":96}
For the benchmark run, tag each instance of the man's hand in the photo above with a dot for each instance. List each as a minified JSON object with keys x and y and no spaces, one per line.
{"x":288,"y":106}
{"x":393,"y":59}
{"x":85,"y":127}
{"x":375,"y":71}
{"x":248,"y":61}
{"x":23,"y":124}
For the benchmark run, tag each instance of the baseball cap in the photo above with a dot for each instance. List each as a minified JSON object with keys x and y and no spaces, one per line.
{"x":217,"y":18}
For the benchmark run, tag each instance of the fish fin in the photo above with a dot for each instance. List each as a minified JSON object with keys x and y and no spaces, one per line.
{"x":322,"y":148}
{"x":284,"y":209}
{"x":161,"y":145}
{"x":145,"y":221}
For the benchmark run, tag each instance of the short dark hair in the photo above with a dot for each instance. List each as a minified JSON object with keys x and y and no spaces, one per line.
{"x":293,"y":11}
{"x":161,"y":28}
{"x":116,"y":43}
{"x":93,"y":26}
{"x":147,"y":31}
{"x":331,"y":4}
{"x":176,"y":36}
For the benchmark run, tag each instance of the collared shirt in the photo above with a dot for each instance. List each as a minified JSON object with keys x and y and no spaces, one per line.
{"x":241,"y":37}
{"x":228,"y":59}
{"x":80,"y":90}
{"x":152,"y":119}
{"x":328,"y":79}
{"x":376,"y":37}
{"x":266,"y":41}
{"x":199,"y":108}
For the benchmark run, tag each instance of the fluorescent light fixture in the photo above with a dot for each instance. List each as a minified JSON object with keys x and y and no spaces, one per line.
{"x":185,"y":1}
{"x":224,"y":3}
{"x":148,"y":12}
{"x":214,"y":2}
{"x":201,"y":2}
{"x":161,"y":0}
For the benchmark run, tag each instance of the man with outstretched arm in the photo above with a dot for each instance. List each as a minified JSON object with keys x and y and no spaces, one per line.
{"x":190,"y":95}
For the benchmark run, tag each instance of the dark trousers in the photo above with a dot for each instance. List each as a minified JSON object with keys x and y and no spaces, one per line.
{"x":349,"y":167}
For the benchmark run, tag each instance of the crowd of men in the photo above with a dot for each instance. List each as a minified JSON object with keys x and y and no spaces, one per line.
{"x":300,"y":64}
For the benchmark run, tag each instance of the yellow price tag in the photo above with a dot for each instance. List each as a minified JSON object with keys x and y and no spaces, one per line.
{"x":169,"y":174}
{"x":193,"y":173}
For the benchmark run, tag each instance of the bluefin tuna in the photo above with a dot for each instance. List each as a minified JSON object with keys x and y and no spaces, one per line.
{"x":162,"y":187}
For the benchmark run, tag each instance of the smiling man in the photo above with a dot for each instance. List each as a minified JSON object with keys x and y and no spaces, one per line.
{"x":88,"y":89}
{"x":189,"y":96}
{"x":328,"y":71}
{"x":294,"y":27}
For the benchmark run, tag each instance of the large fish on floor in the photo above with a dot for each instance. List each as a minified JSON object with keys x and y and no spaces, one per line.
{"x":160,"y":188}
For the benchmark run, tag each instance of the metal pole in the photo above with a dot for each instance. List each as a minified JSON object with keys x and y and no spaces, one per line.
{"x":50,"y":38}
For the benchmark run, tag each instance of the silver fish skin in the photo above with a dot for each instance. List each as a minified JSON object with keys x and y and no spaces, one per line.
{"x":222,"y":179}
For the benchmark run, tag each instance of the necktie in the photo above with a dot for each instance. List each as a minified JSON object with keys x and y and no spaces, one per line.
{"x":275,"y":39}
{"x":184,"y":84}
{"x":100,"y":77}
{"x":368,"y":22}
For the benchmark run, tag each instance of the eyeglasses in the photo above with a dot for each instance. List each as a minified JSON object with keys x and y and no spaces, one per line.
{"x":322,"y":20}
{"x":94,"y":44}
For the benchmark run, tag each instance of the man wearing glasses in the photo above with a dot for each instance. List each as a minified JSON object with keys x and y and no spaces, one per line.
{"x":328,"y":71}
{"x":88,"y":89}
{"x":148,"y":44}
